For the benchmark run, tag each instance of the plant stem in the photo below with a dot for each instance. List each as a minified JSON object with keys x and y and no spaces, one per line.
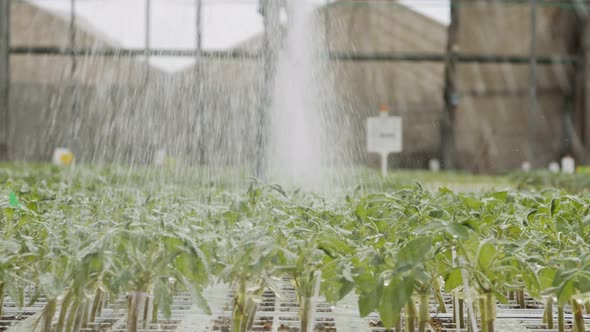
{"x":423,"y":312}
{"x":411,"y":316}
{"x":65,"y":305}
{"x":86,"y":313}
{"x":146,"y":309}
{"x":72,"y":314}
{"x":578,"y":316}
{"x":461,"y":314}
{"x":490,"y":306}
{"x":96,"y":305}
{"x":1,"y":299}
{"x":155,"y":313}
{"x":48,"y":314}
{"x":238,"y":311}
{"x":305,"y":313}
{"x":560,"y":318}
{"x":521,"y":300}
{"x":456,"y":311}
{"x":483,"y":314}
{"x":398,"y":325}
{"x":132,"y":314}
{"x":587,"y":307}
{"x":251,"y":307}
{"x":80,"y":316}
{"x":511,"y":295}
{"x":438,"y":296}
{"x":549,"y":313}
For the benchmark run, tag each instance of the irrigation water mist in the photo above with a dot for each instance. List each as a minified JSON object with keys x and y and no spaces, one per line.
{"x":124,"y":111}
{"x":297,"y":108}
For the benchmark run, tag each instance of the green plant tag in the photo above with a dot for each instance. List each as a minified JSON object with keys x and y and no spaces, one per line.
{"x":13,"y":200}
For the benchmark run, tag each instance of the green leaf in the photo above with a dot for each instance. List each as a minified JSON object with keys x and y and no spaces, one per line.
{"x":413,"y":252}
{"x":163,"y":297}
{"x":546,"y":276}
{"x":487,"y":254}
{"x":395,"y":297}
{"x":500,"y":195}
{"x":453,"y":280}
{"x":436,"y":213}
{"x":370,"y":291}
{"x":565,"y":292}
{"x":201,"y":302}
{"x":333,"y":247}
{"x":346,"y":288}
{"x":501,"y":297}
{"x":13,"y":200}
{"x":472,"y":202}
{"x":553,"y":206}
{"x":367,"y":303}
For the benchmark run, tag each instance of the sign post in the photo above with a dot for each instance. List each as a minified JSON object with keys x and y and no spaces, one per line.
{"x":384,"y":136}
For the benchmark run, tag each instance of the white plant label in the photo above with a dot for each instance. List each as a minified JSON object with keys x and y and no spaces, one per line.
{"x":384,"y":134}
{"x":63,"y":157}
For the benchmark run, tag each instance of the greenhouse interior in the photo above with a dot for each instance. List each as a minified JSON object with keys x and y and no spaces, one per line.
{"x":294,"y":165}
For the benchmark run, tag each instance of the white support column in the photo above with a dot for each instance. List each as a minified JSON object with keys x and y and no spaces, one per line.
{"x":384,"y":164}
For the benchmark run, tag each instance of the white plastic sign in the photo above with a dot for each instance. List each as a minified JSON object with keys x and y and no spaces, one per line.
{"x":384,"y":134}
{"x":568,"y":165}
{"x":160,"y":157}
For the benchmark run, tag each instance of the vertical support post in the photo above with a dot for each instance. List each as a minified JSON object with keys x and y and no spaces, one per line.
{"x":327,"y":25}
{"x":72,"y":35}
{"x":4,"y":78}
{"x":567,"y":123}
{"x":198,"y":28}
{"x":450,"y":91}
{"x":533,"y":86}
{"x":72,"y":45}
{"x":573,"y":140}
{"x":384,"y":164}
{"x":270,"y":10}
{"x":200,"y":124}
{"x":148,"y":32}
{"x":581,"y":129}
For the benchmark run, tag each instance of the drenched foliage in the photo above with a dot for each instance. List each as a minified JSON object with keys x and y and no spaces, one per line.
{"x":71,"y":233}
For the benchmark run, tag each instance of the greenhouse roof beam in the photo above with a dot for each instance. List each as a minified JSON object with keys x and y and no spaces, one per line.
{"x":337,"y":56}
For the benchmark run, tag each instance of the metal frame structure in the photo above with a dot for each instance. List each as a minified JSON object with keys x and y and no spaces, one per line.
{"x":451,"y":58}
{"x":4,"y":77}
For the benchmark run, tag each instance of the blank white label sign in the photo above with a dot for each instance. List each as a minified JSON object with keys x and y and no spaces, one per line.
{"x":384,"y":134}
